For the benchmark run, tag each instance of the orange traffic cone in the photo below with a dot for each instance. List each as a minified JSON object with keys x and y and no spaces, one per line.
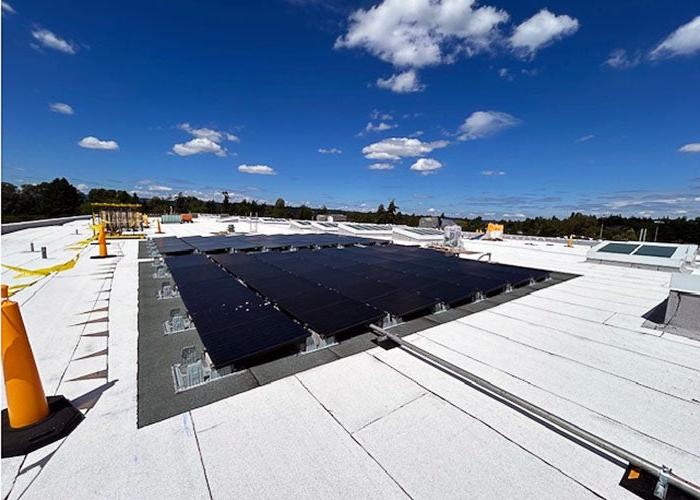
{"x":102,"y":243}
{"x":30,"y":420}
{"x":159,"y":231}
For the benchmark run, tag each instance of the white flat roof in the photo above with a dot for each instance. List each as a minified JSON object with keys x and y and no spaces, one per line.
{"x":380,"y":423}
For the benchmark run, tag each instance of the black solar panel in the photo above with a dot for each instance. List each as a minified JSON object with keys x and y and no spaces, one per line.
{"x":171,"y":245}
{"x":233,"y":322}
{"x":256,"y":242}
{"x":298,"y":296}
{"x":262,"y":334}
{"x":624,"y":248}
{"x":656,"y":251}
{"x":330,"y":290}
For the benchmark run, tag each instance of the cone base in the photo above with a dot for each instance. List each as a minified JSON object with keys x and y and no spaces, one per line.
{"x":102,"y":256}
{"x":63,"y":418}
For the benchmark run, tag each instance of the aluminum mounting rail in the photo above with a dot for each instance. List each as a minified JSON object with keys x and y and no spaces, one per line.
{"x":664,"y":474}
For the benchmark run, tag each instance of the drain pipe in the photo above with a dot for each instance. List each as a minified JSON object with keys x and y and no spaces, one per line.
{"x":664,"y":474}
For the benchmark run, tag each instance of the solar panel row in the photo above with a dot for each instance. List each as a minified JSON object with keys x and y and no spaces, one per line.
{"x":233,"y":322}
{"x":246,"y":243}
{"x":170,"y":245}
{"x":331,"y":290}
{"x":327,"y":312}
{"x":369,"y":227}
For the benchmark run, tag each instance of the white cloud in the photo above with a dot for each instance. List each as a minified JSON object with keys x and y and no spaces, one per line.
{"x":422,"y":32}
{"x":330,"y":151}
{"x":6,"y":7}
{"x":378,"y":115}
{"x":682,"y":42}
{"x":426,"y":166}
{"x":620,"y":59}
{"x":91,"y":142}
{"x":505,"y":74}
{"x":61,"y":107}
{"x":402,"y":83}
{"x":256,"y":169}
{"x":207,"y":133}
{"x":585,"y":138}
{"x":379,"y":127}
{"x":492,"y":173}
{"x":205,"y":141}
{"x":381,"y":166}
{"x":155,"y":187}
{"x":485,"y":123}
{"x":540,"y":30}
{"x":198,"y":146}
{"x":83,"y":188}
{"x":690,"y":148}
{"x":52,"y":41}
{"x":395,"y":148}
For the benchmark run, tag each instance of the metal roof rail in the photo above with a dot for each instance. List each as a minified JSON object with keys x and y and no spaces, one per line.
{"x":664,"y":479}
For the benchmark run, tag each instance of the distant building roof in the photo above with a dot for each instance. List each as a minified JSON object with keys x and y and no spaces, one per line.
{"x":435,"y":222}
{"x":331,"y":217}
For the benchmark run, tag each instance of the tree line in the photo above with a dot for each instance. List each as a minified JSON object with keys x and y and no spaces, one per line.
{"x":59,"y":198}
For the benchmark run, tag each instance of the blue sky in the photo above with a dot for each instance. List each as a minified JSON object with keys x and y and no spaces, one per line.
{"x":502,"y":108}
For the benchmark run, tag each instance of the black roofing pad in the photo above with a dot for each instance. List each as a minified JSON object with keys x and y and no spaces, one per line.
{"x":265,"y":332}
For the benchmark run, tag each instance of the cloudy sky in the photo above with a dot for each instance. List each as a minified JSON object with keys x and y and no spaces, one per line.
{"x":498,"y":108}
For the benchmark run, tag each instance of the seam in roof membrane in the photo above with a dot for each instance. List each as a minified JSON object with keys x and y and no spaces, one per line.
{"x":483,"y":422}
{"x":571,"y":429}
{"x":379,"y":464}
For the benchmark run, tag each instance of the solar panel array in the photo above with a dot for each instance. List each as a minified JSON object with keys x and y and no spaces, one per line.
{"x":369,"y":227}
{"x":172,"y":245}
{"x":325,"y":311}
{"x":233,"y":322}
{"x":332,"y":291}
{"x":423,"y":231}
{"x":639,"y":249}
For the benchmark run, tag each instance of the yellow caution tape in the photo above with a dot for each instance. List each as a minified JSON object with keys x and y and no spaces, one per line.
{"x":23,"y":272}
{"x":79,"y":245}
{"x":13,"y":289}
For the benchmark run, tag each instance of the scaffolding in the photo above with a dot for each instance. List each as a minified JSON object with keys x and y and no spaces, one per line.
{"x":118,"y":217}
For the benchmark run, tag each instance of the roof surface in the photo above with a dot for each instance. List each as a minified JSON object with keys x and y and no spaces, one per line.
{"x":381,"y":423}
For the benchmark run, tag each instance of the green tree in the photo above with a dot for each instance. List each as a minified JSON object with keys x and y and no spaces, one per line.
{"x":305,"y":213}
{"x":279,"y":209}
{"x":391,"y":212}
{"x":226,"y":205}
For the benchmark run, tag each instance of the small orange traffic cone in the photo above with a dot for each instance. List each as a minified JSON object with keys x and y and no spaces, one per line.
{"x":102,"y":243}
{"x":159,"y":230}
{"x":30,"y":420}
